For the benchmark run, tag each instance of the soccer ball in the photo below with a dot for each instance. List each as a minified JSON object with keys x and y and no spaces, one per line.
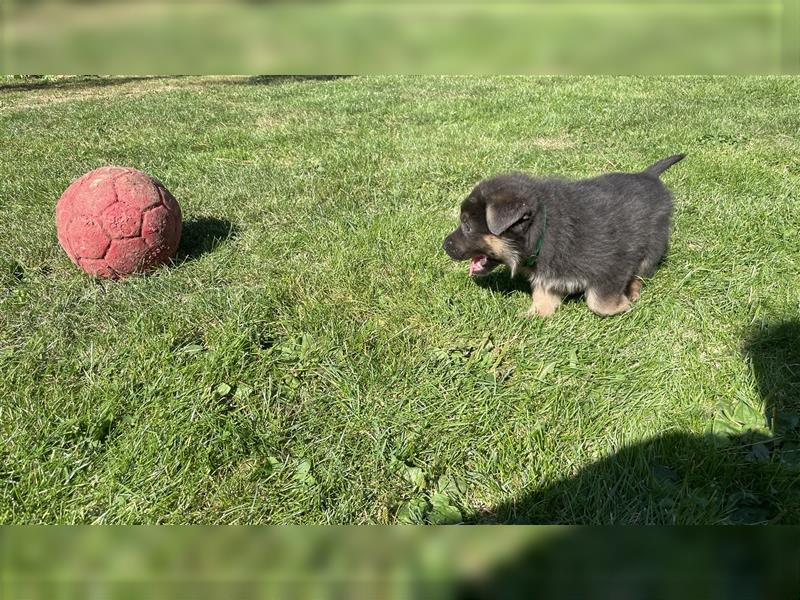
{"x":115,"y":221}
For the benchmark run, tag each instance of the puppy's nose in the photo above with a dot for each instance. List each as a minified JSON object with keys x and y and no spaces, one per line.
{"x":447,"y":244}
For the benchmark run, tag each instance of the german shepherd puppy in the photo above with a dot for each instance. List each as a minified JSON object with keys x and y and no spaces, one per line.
{"x":599,"y":236}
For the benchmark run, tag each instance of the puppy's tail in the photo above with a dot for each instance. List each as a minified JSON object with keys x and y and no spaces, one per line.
{"x":665,"y":163}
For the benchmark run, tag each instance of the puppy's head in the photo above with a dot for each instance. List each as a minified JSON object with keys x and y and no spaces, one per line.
{"x":495,"y":225}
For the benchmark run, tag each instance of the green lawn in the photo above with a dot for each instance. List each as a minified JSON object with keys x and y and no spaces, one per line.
{"x":313,"y":356}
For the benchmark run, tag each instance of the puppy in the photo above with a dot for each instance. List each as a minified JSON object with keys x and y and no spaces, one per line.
{"x":599,"y":236}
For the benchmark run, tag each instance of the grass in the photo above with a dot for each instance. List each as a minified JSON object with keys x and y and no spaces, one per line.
{"x":313,"y":356}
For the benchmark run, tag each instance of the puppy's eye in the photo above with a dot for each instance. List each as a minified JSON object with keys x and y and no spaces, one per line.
{"x":465,"y":226}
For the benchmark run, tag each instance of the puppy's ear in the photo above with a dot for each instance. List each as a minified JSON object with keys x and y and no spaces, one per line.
{"x":502,"y":214}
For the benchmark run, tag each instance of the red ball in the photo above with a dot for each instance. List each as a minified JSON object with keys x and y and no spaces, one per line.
{"x":115,"y":221}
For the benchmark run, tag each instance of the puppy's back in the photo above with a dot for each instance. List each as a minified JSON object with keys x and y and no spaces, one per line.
{"x":625,"y":191}
{"x":622,"y":213}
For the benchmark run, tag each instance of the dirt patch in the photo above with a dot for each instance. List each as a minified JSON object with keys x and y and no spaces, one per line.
{"x":553,"y":143}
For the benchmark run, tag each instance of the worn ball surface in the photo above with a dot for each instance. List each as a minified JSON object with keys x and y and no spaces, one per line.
{"x":115,"y":221}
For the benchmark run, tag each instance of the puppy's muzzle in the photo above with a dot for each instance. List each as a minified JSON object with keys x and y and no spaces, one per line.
{"x":453,"y":248}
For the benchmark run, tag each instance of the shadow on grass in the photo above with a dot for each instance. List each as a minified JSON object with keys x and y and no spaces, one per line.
{"x":78,"y":82}
{"x":774,"y":355}
{"x":500,"y":281}
{"x":34,"y":82}
{"x":748,"y":476}
{"x":202,"y":235}
{"x":673,"y":478}
{"x":277,"y":79}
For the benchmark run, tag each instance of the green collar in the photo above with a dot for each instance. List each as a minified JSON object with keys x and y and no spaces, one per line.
{"x":531,"y":260}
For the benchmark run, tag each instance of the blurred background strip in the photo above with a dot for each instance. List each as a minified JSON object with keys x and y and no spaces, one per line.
{"x":377,"y":36}
{"x":399,"y":563}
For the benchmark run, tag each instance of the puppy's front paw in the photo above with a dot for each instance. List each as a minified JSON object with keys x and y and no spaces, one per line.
{"x":537,"y":311}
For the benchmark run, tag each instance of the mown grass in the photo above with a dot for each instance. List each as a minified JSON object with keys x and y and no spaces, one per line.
{"x":313,"y":356}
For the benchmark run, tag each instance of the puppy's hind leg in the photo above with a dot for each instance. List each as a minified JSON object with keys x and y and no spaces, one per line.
{"x":544,"y":304}
{"x":634,"y":290}
{"x":605,"y":304}
{"x":646,"y":269}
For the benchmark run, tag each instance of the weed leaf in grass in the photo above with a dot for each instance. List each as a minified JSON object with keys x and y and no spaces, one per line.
{"x":222,"y":390}
{"x":242,"y":392}
{"x":454,"y":487}
{"x":747,"y":415}
{"x":271,"y":465}
{"x":413,"y":512}
{"x":573,"y":359}
{"x":443,"y":512}
{"x":723,"y":428}
{"x":743,"y":417}
{"x":416,"y":476}
{"x":545,"y":370}
{"x":191,"y":349}
{"x":303,"y":473}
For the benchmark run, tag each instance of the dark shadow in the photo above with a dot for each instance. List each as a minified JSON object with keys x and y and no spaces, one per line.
{"x":201,"y":235}
{"x":774,"y":355}
{"x":34,"y":82}
{"x":748,"y":477}
{"x":276,"y":79}
{"x":674,"y":478}
{"x":11,"y":272}
{"x":78,"y":82}
{"x":500,"y":281}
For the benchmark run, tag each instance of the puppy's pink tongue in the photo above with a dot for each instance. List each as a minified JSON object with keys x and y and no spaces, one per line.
{"x":476,"y":264}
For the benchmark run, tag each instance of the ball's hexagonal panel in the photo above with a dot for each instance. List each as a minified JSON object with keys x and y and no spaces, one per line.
{"x":161,"y":229}
{"x":137,"y":190}
{"x":128,"y":255}
{"x":121,"y":220}
{"x":86,"y":238}
{"x":92,"y":193}
{"x":155,"y":222}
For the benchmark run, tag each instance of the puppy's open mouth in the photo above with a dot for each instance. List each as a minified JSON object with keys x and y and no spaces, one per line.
{"x":482,"y":265}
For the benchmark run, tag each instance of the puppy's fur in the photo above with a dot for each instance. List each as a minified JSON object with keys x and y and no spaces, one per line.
{"x":600,"y":236}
